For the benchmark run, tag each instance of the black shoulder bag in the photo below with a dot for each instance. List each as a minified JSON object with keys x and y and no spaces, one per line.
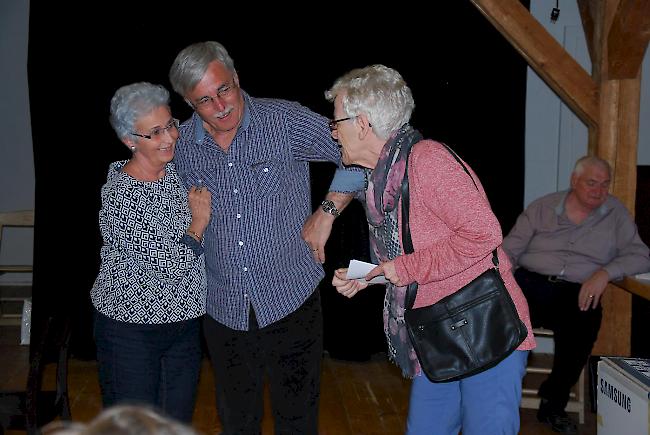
{"x":467,"y":332}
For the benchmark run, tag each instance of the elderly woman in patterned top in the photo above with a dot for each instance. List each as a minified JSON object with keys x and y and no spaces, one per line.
{"x":454,"y":232}
{"x":150,"y":291}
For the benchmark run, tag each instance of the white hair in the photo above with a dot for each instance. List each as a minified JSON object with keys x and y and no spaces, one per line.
{"x":377,"y":91}
{"x":585,"y":161}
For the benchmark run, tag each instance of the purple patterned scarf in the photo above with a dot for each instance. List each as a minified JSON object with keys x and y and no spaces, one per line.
{"x":382,"y":198}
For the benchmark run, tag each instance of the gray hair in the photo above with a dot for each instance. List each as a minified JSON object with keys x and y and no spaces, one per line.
{"x":377,"y":91}
{"x":133,"y":101}
{"x":191,"y":63}
{"x":585,"y":161}
{"x":122,"y":420}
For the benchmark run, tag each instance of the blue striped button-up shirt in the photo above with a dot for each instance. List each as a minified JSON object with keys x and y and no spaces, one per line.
{"x":260,"y":200}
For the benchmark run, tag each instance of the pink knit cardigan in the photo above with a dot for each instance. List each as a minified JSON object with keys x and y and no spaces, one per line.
{"x":454,"y":231}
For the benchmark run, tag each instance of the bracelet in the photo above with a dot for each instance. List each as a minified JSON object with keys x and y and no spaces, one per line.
{"x":194,"y":235}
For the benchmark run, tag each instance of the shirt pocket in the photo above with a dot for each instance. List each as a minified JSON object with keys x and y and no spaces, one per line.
{"x":268,"y":176}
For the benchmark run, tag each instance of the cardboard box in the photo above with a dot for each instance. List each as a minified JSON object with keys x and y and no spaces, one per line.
{"x":623,"y":396}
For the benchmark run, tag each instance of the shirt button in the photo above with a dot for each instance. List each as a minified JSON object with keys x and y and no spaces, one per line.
{"x":235,"y":190}
{"x":238,"y":216}
{"x":266,"y":169}
{"x":245,"y":269}
{"x":241,"y":243}
{"x":230,"y":164}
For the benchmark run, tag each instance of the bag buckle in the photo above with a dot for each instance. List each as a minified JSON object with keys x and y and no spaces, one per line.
{"x":458,"y":324}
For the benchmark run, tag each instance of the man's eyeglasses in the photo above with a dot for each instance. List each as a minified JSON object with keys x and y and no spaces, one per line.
{"x":333,"y":122}
{"x":223,"y":92}
{"x":156,"y":133}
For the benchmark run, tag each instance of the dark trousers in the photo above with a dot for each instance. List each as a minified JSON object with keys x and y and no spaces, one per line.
{"x":288,"y":351}
{"x":155,"y":365}
{"x":554,"y":306}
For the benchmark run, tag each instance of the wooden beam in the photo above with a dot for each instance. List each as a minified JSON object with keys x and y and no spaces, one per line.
{"x":628,"y":39}
{"x":615,"y":141}
{"x":635,"y":286}
{"x":627,"y":138}
{"x":587,"y":16}
{"x":545,"y":55}
{"x":591,"y":12}
{"x":614,"y":337}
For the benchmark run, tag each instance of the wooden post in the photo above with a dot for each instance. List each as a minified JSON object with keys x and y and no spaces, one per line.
{"x":615,"y":140}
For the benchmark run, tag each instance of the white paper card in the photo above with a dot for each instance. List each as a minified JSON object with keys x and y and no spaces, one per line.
{"x":359,"y":269}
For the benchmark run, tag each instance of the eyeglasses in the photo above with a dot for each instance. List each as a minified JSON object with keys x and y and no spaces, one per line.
{"x":156,"y":133}
{"x":333,"y":122}
{"x":223,"y":92}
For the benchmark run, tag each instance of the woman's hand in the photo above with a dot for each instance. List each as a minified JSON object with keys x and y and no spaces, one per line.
{"x":347,"y":287}
{"x":388,"y":270}
{"x":200,"y":200}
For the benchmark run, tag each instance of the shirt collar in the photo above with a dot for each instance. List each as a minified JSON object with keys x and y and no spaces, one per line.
{"x":200,"y":133}
{"x":559,"y":208}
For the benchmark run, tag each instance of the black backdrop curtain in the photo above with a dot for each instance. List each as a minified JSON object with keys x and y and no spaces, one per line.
{"x":468,"y":84}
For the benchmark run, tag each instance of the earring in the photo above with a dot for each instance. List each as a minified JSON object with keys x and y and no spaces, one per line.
{"x":133,"y":149}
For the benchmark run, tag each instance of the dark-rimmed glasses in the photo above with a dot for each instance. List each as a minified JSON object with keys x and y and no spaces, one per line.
{"x":222,"y":92}
{"x":333,"y":122}
{"x":157,"y":132}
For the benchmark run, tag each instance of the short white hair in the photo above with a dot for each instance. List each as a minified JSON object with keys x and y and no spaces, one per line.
{"x":377,"y":91}
{"x":585,"y":161}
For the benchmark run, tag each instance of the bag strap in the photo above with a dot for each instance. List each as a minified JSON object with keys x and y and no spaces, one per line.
{"x":407,"y":242}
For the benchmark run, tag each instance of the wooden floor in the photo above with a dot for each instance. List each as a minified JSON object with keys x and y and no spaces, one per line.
{"x":356,"y":397}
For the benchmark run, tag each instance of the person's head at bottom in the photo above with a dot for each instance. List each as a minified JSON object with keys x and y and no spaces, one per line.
{"x":122,"y":420}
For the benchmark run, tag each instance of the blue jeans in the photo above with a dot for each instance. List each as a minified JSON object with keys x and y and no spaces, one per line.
{"x":152,"y":364}
{"x":484,"y":404}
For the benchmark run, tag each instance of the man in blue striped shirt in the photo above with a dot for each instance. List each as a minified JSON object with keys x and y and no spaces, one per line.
{"x":263,"y":306}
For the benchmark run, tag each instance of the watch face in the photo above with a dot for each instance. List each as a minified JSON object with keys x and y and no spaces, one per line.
{"x":329,"y":207}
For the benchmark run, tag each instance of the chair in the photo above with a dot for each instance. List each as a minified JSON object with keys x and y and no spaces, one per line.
{"x":15,"y":298}
{"x":31,"y":409}
{"x":541,"y":364}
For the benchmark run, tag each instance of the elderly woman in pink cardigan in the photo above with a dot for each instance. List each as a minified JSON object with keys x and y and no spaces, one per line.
{"x":454,"y":232}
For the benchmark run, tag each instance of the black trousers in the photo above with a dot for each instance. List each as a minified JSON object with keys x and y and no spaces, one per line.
{"x":554,"y":306}
{"x":288,"y":351}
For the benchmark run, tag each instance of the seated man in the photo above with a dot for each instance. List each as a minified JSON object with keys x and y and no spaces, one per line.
{"x":567,"y":246}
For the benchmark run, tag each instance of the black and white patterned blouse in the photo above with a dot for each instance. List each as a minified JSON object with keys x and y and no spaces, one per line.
{"x":148,"y":273}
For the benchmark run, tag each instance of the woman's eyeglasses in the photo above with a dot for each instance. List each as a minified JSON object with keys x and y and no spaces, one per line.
{"x":157,"y":132}
{"x":333,"y":122}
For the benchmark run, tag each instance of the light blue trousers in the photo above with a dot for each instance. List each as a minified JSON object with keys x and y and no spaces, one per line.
{"x":484,"y":404}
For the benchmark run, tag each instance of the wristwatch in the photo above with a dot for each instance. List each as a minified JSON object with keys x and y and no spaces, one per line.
{"x":329,"y":207}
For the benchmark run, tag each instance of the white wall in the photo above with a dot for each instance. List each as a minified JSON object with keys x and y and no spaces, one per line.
{"x":16,"y":151}
{"x":555,"y":137}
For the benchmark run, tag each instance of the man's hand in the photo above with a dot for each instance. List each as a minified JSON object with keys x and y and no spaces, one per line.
{"x":388,"y":270}
{"x":347,"y":287}
{"x":316,"y":231}
{"x":592,"y":290}
{"x":318,"y":226}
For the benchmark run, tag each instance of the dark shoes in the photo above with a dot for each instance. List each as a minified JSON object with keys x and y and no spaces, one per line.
{"x":557,"y":419}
